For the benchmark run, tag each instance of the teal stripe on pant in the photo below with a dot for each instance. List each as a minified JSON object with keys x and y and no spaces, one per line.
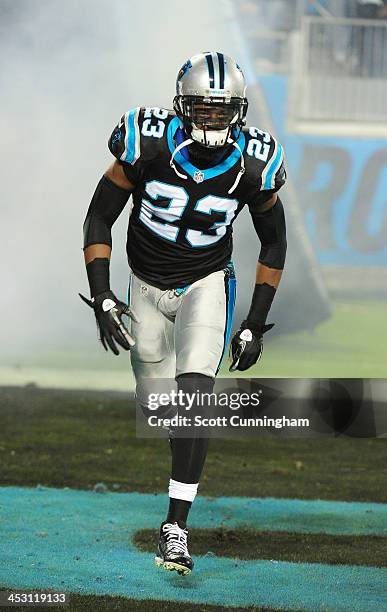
{"x":230,"y":288}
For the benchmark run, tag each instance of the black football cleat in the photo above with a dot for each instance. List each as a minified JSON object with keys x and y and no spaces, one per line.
{"x":172,"y":553}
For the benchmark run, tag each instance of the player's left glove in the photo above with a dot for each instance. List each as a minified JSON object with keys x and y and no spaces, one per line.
{"x":247,"y":346}
{"x":108,"y":311}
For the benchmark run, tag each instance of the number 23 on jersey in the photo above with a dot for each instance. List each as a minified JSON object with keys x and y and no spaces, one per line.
{"x":178,"y":200}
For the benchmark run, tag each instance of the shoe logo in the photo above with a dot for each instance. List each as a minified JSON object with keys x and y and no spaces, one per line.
{"x":198,"y":176}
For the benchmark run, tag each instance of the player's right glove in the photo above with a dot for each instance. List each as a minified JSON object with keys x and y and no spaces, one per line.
{"x":108,"y":312}
{"x":247,"y":346}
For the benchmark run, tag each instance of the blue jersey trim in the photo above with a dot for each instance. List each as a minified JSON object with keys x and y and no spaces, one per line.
{"x":131,"y":130}
{"x":208,"y":173}
{"x":273,"y":167}
{"x":179,"y":139}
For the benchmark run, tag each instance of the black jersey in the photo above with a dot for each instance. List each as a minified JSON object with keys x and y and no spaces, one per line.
{"x":180,"y":227}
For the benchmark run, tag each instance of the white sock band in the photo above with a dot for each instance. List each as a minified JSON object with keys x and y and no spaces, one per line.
{"x":182,"y":490}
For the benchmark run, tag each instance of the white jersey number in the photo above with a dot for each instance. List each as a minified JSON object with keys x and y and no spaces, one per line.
{"x":154,"y":130}
{"x":208,"y":205}
{"x":173,"y":201}
{"x":172,"y":204}
{"x":259,"y":148}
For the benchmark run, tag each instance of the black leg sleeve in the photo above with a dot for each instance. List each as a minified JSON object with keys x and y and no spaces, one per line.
{"x":189,"y":453}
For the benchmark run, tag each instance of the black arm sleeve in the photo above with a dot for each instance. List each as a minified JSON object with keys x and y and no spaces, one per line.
{"x":108,"y":202}
{"x":271,"y":230}
{"x":261,"y":302}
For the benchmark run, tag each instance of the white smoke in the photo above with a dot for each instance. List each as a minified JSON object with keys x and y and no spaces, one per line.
{"x":69,"y":70}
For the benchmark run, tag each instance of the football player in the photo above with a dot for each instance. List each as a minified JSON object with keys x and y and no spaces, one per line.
{"x":190,"y":172}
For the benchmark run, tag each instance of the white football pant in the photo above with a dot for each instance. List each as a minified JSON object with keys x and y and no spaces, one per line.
{"x":181,"y":333}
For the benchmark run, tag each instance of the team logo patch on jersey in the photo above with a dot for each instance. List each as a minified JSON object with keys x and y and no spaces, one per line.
{"x":144,"y":289}
{"x":198,"y":176}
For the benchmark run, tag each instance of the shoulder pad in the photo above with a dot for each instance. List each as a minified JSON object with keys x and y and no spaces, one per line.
{"x":264,"y":160}
{"x":140,"y":133}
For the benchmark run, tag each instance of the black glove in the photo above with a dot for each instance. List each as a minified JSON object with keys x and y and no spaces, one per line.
{"x":247,"y":346}
{"x":108,"y":311}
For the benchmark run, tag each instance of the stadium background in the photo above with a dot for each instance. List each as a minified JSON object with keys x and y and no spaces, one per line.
{"x":68,"y":72}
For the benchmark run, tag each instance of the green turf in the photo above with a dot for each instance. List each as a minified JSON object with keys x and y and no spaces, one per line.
{"x":351,"y":344}
{"x":78,"y":439}
{"x":348,"y":345}
{"x":282,"y":546}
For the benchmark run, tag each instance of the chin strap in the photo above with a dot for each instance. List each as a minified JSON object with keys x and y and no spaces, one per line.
{"x":242,"y":168}
{"x":183,"y":144}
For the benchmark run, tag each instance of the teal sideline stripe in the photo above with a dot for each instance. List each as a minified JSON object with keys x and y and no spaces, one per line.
{"x":81,"y":542}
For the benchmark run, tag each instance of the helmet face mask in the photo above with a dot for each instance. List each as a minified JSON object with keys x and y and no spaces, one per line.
{"x":211,"y":122}
{"x":211,"y":117}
